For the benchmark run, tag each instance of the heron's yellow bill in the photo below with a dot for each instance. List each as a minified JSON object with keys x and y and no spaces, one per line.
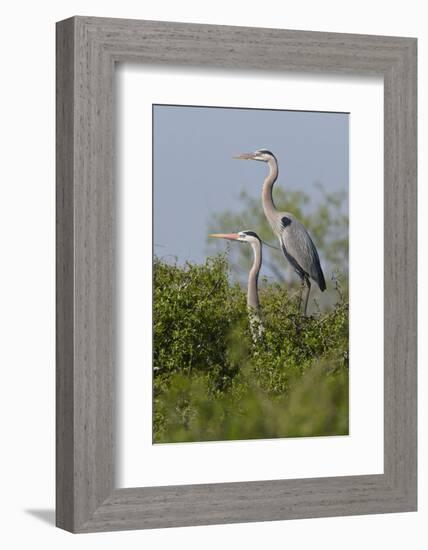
{"x":244,"y":156}
{"x":230,"y":236}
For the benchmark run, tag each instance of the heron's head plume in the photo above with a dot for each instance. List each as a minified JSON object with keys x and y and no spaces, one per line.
{"x":263,"y":155}
{"x":249,"y":237}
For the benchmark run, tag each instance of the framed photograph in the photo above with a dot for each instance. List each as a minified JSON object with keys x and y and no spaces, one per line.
{"x":236,"y":274}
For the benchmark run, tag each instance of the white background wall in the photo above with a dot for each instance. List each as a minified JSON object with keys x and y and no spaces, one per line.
{"x":27,"y":272}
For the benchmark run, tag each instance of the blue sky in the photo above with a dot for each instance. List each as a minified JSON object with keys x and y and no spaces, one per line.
{"x":195,"y":175}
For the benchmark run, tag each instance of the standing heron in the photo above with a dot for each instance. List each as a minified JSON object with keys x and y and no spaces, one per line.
{"x":253,"y":304}
{"x":294,"y":239}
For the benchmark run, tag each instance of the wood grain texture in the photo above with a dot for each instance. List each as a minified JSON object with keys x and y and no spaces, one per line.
{"x":64,"y":277}
{"x":87,"y":49}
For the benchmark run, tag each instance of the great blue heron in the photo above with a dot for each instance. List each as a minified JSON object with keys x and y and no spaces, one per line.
{"x":253,"y":276}
{"x":294,"y":239}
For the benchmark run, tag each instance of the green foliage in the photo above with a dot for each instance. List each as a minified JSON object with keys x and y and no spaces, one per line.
{"x":212,"y":382}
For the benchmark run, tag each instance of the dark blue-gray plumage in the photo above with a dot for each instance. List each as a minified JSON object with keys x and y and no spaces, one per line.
{"x":294,"y":239}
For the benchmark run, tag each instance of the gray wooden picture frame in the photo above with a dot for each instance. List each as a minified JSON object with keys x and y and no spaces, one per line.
{"x":87,"y":50}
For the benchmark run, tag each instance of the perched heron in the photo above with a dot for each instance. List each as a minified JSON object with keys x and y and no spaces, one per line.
{"x":294,"y":239}
{"x":252,"y":291}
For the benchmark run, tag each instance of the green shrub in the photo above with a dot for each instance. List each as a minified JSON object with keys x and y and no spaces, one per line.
{"x":212,"y":382}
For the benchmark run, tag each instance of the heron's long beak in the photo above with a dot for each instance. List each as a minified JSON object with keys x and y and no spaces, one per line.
{"x":244,"y":156}
{"x":229,"y":236}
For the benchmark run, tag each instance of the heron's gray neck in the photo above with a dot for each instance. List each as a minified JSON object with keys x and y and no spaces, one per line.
{"x":253,"y":277}
{"x":268,"y":204}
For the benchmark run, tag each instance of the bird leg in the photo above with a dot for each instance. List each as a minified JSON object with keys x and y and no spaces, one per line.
{"x":302,"y":286}
{"x":306,"y":282}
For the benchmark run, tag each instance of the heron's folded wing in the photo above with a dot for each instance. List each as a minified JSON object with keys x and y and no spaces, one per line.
{"x":300,"y":250}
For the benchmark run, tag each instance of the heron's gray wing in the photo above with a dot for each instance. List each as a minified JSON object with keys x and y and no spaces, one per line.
{"x":300,"y":250}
